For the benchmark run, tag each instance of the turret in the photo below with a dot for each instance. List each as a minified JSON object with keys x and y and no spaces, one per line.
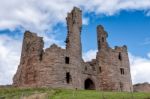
{"x":101,"y":37}
{"x":73,"y":56}
{"x":74,"y":25}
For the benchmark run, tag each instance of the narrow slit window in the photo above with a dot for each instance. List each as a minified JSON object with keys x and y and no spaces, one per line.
{"x":120,"y":56}
{"x":103,"y":39}
{"x":100,"y":69}
{"x":41,"y":56}
{"x":99,"y":42}
{"x":85,"y":68}
{"x":121,"y":86}
{"x":68,"y":77}
{"x":122,"y":71}
{"x":67,"y":60}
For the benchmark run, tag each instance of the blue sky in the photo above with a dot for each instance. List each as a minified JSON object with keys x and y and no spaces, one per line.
{"x":127,"y":23}
{"x":131,"y":28}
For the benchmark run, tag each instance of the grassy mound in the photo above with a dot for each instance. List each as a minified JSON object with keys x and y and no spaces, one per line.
{"x":18,"y":93}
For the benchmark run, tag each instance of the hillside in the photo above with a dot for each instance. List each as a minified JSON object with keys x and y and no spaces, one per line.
{"x":45,"y":93}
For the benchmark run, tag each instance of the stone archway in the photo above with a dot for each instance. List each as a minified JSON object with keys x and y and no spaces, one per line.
{"x":89,"y":84}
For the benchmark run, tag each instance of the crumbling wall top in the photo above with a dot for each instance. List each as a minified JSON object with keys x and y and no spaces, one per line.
{"x":122,"y":48}
{"x":31,"y":34}
{"x":101,"y":30}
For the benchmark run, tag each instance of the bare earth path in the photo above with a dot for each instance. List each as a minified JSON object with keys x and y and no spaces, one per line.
{"x":36,"y":96}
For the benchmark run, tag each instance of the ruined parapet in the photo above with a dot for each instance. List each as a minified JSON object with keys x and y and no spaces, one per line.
{"x":54,"y":47}
{"x":32,"y":50}
{"x":122,"y":48}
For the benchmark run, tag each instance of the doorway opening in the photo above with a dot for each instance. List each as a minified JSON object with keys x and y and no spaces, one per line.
{"x":89,"y":85}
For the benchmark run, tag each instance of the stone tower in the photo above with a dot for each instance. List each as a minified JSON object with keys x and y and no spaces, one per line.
{"x":73,"y":45}
{"x":74,"y":26}
{"x":32,"y":50}
{"x":56,"y":67}
{"x":113,"y":64}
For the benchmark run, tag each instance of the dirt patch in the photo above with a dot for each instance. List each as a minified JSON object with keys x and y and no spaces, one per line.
{"x":36,"y":96}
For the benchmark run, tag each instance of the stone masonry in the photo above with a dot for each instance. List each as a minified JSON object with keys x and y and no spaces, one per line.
{"x":64,"y":68}
{"x":142,"y":87}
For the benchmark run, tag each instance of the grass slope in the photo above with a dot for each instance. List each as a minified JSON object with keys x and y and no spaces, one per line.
{"x":16,"y":93}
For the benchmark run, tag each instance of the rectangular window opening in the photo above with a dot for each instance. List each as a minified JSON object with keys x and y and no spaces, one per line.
{"x":120,"y":56}
{"x":85,"y":68}
{"x":68,"y":77}
{"x":122,"y":71}
{"x":103,"y":40}
{"x":41,"y":56}
{"x":67,"y":60}
{"x":100,"y":69}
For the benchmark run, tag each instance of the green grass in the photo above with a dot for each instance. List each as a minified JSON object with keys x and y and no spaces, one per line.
{"x":16,"y":93}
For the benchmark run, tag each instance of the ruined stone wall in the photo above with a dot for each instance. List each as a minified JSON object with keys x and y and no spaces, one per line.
{"x":54,"y":67}
{"x":73,"y":45}
{"x":40,"y":68}
{"x":90,"y":71}
{"x":64,"y":68}
{"x":143,"y":87}
{"x":51,"y":68}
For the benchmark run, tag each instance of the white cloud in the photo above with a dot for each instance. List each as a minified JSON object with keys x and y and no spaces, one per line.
{"x":85,"y":21}
{"x":9,"y":58}
{"x":140,"y":69}
{"x":89,"y":55}
{"x":148,"y":55}
{"x":42,"y":15}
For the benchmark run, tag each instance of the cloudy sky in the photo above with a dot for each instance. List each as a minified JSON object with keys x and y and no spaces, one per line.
{"x":126,"y":21}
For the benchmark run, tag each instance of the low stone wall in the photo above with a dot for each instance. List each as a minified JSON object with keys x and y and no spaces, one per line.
{"x":143,"y":87}
{"x":5,"y":86}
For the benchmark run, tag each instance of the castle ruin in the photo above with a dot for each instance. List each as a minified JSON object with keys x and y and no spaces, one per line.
{"x":64,"y":68}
